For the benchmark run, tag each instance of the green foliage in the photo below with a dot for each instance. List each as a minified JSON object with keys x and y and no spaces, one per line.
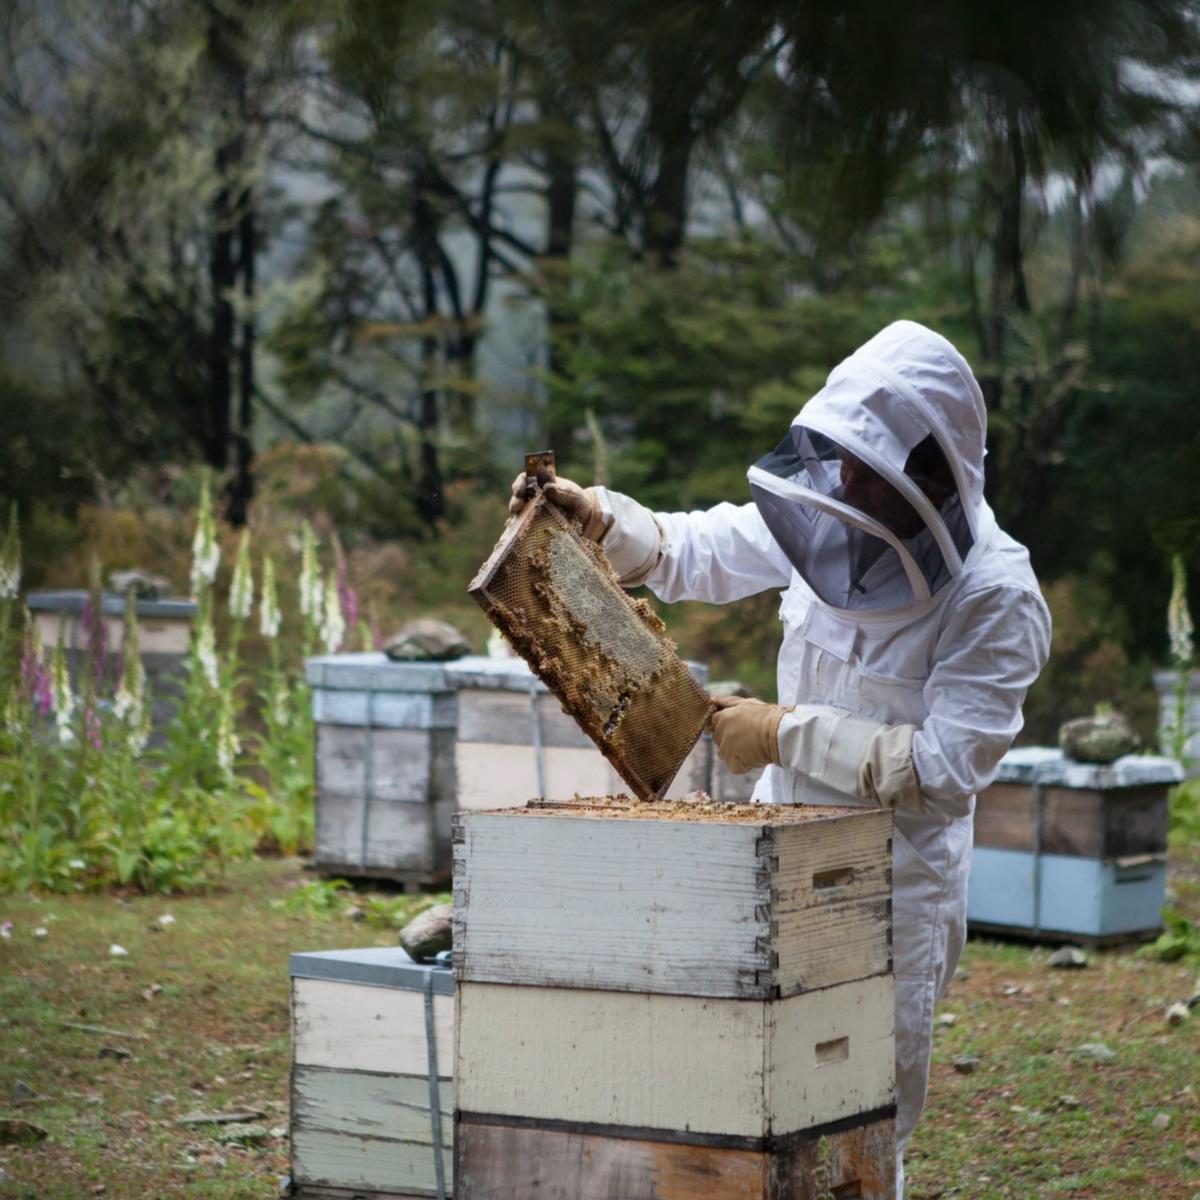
{"x":1180,"y":939}
{"x":85,"y":804}
{"x":315,"y":898}
{"x":1185,"y":817}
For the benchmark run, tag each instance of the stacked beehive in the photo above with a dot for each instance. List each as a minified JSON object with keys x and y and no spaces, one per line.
{"x":1071,"y":851}
{"x":673,"y":1000}
{"x":402,"y":746}
{"x":372,"y":1036}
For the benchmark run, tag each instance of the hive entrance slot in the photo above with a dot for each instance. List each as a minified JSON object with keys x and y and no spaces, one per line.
{"x":833,"y":878}
{"x":835,"y":1051}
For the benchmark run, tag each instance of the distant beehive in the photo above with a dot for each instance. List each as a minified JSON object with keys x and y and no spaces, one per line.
{"x":1070,"y":851}
{"x":402,"y":746}
{"x":552,"y":593}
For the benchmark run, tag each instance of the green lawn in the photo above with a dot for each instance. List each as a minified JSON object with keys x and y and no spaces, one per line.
{"x":1033,"y":1120}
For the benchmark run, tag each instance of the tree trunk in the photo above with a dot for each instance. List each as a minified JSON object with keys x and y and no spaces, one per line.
{"x":222,"y":275}
{"x":430,"y":499}
{"x":561,"y":419}
{"x":241,"y":490}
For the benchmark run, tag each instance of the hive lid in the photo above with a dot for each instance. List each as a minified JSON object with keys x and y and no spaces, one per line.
{"x":387,"y":966}
{"x":1050,"y":767}
{"x":73,"y":600}
{"x":553,"y":595}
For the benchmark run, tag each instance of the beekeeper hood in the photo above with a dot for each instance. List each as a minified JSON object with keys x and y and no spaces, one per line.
{"x":876,"y":492}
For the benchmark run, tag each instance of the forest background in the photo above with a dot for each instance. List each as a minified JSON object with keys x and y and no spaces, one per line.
{"x":354,"y":259}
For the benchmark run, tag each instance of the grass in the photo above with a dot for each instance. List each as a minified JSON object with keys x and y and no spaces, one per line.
{"x":1034,"y":1120}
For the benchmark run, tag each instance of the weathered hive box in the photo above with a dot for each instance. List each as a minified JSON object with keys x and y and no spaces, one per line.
{"x":164,"y":627}
{"x":1067,"y":850}
{"x":366,"y":1079}
{"x":385,"y":778}
{"x":400,"y":747}
{"x":690,"y":993}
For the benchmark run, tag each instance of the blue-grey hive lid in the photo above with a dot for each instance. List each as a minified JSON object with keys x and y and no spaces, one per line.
{"x":1050,"y":767}
{"x":387,"y":966}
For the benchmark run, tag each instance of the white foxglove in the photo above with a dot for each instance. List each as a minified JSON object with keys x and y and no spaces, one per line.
{"x":241,"y":588}
{"x":269,"y":616}
{"x":333,"y":626}
{"x":206,"y":554}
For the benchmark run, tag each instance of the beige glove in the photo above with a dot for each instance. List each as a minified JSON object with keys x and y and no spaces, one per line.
{"x":577,"y":502}
{"x":746,"y":732}
{"x":852,"y":755}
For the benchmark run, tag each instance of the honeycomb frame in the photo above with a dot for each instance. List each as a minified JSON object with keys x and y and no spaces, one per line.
{"x":604,"y":655}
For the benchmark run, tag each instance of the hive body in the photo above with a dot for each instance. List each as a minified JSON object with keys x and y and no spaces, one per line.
{"x":650,"y":995}
{"x":361,"y":1122}
{"x":1072,"y":851}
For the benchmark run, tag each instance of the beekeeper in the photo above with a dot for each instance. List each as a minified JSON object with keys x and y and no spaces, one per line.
{"x":912,"y":628}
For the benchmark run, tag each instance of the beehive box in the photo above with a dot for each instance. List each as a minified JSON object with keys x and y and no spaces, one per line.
{"x":361,"y":1115}
{"x":747,"y":902}
{"x":1071,"y":851}
{"x":385,"y":770}
{"x":400,"y":747}
{"x":164,"y":627}
{"x":691,"y":991}
{"x":553,"y":595}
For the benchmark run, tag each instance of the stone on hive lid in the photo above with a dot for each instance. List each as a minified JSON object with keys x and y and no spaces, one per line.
{"x":428,"y":933}
{"x":730,"y":687}
{"x":427,"y":640}
{"x":1100,"y":739}
{"x":145,"y":586}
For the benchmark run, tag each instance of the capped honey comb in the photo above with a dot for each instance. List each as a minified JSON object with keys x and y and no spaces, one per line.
{"x":553,"y":595}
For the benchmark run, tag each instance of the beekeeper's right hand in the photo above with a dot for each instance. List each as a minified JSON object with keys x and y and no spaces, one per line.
{"x":577,"y":502}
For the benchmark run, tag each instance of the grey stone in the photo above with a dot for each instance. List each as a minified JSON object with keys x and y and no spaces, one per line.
{"x":247,"y":1134}
{"x":428,"y":933}
{"x":966,"y":1064}
{"x":427,"y":640}
{"x":22,"y":1093}
{"x":14,"y":1132}
{"x":114,"y":1052}
{"x":1100,"y":739}
{"x":1068,"y":958}
{"x":145,"y":586}
{"x":1096,"y":1052}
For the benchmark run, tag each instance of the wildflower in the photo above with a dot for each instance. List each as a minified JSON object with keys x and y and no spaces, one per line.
{"x":10,"y":558}
{"x":206,"y":647}
{"x":129,"y":703}
{"x":310,"y":576}
{"x":95,"y":628}
{"x":241,"y":590}
{"x":269,"y":616}
{"x":206,"y":554}
{"x":34,"y":676}
{"x":1179,"y":620}
{"x":333,"y":627}
{"x":347,"y":596}
{"x":228,"y":745}
{"x":62,"y":699}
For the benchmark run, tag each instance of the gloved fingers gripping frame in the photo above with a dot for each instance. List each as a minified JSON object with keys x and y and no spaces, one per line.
{"x":851,"y":533}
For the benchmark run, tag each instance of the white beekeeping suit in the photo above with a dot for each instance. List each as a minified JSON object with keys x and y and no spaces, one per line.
{"x":913,"y":627}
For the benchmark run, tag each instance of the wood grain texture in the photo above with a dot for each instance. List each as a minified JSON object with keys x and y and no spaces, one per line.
{"x":831,"y":900}
{"x":369,"y":1105}
{"x":356,"y":1027}
{"x":400,"y":765}
{"x":499,"y":1162}
{"x":383,"y":1165}
{"x":383,"y":710}
{"x":682,"y":907}
{"x":732,"y":1067}
{"x":400,"y":836}
{"x":1087,"y":823}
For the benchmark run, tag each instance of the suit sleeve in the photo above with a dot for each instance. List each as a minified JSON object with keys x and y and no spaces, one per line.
{"x":991,"y":650}
{"x":719,"y":555}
